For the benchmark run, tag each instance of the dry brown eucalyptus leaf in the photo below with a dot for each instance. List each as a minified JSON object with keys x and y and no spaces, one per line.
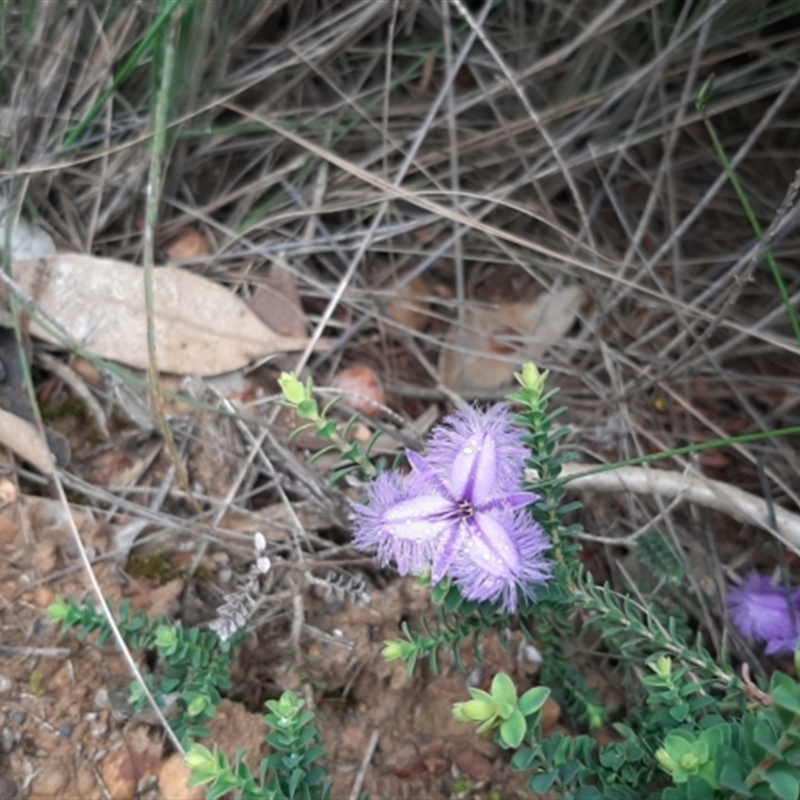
{"x":484,"y":352}
{"x":410,"y":307}
{"x":362,"y":389}
{"x":277,"y":303}
{"x":201,"y":327}
{"x":22,"y":437}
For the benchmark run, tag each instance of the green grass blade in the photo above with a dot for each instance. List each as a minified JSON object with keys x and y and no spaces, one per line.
{"x":702,"y":100}
{"x":133,"y":60}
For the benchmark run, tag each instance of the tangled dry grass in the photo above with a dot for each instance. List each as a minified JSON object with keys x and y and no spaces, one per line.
{"x":496,"y":151}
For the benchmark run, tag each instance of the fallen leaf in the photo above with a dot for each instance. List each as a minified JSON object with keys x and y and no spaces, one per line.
{"x":201,"y":328}
{"x":277,"y":303}
{"x":361,"y":389}
{"x":410,"y":307}
{"x":86,"y":370}
{"x":22,"y":437}
{"x":484,"y":352}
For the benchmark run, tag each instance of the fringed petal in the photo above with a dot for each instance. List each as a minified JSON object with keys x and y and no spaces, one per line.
{"x":506,"y":556}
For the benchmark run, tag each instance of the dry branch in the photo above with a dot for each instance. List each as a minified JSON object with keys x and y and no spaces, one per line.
{"x":783,"y":524}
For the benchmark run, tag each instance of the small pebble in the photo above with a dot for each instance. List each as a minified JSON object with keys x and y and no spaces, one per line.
{"x":225,"y":575}
{"x":43,"y":596}
{"x":65,"y":730}
{"x":71,"y":548}
{"x":98,"y":730}
{"x":19,"y":717}
{"x":530,"y":654}
{"x":7,"y":740}
{"x":6,"y":684}
{"x":8,"y":789}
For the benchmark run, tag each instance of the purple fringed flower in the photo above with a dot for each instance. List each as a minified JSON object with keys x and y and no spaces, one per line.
{"x":461,"y":511}
{"x":763,"y":611}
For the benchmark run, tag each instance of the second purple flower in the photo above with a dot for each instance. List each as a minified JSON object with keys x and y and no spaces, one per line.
{"x":461,"y":511}
{"x":766,"y":612}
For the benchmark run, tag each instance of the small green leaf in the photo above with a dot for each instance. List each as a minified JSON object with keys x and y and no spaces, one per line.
{"x":523,"y":760}
{"x":662,"y":667}
{"x":198,"y":756}
{"x":307,"y":409}
{"x":698,"y":789}
{"x":198,"y":705}
{"x":530,"y":378}
{"x":678,"y":712}
{"x":166,"y":638}
{"x":783,"y":779}
{"x":533,"y":700}
{"x":223,"y":785}
{"x":513,"y":731}
{"x":705,"y":93}
{"x":786,"y":695}
{"x":58,"y":611}
{"x":542,"y":782}
{"x":731,"y":777}
{"x":766,"y":738}
{"x":503,"y":690}
{"x":328,"y":431}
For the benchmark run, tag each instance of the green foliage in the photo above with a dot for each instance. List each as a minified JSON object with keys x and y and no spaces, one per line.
{"x":688,"y":731}
{"x":193,"y":665}
{"x":291,"y":771}
{"x":458,"y":621}
{"x":657,"y":553}
{"x":702,"y":101}
{"x":138,"y":53}
{"x":502,"y":710}
{"x":300,"y":398}
{"x":704,"y":755}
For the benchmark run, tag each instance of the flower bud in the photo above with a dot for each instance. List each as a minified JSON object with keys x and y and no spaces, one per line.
{"x":292,"y":388}
{"x":531,"y":378}
{"x":397,"y":650}
{"x":666,"y":761}
{"x":473,"y":711}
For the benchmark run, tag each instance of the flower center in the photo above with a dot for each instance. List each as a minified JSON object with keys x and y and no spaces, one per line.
{"x":466,"y":509}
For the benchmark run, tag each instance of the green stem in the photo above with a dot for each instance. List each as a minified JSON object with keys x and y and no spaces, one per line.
{"x":130,"y":64}
{"x":748,"y":210}
{"x":680,"y":451}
